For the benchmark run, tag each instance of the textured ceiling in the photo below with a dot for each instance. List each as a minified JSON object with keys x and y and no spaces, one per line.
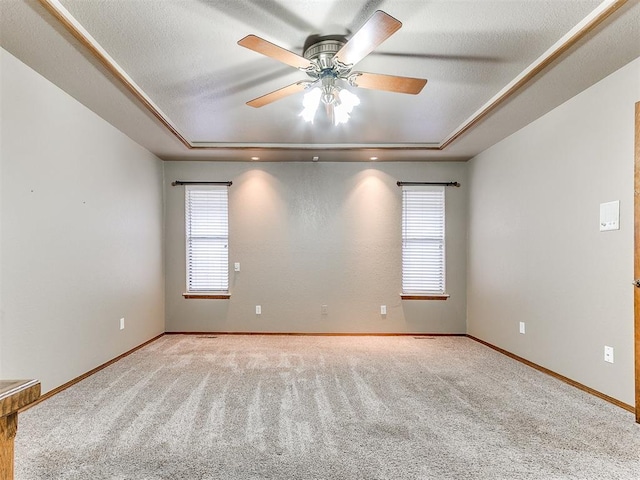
{"x":183,"y":55}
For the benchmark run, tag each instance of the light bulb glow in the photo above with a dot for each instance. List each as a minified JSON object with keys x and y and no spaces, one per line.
{"x":343,"y":106}
{"x":339,"y":100}
{"x":348,"y":100}
{"x":340,"y":114}
{"x":310,"y":103}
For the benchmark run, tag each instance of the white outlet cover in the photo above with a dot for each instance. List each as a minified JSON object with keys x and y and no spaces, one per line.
{"x":383,"y":309}
{"x":236,"y":266}
{"x":608,"y":354}
{"x":258,"y":310}
{"x":122,"y":323}
{"x":522,"y":328}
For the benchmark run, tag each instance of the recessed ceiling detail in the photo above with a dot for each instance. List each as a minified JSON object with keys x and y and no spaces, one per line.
{"x":181,"y":61}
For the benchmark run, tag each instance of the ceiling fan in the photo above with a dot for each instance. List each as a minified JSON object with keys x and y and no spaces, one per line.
{"x":329,"y":59}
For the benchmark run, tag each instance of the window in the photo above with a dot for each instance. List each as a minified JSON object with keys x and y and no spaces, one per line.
{"x":207,"y":238}
{"x":423,"y":240}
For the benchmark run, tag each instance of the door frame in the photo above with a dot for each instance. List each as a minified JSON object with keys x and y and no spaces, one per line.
{"x":636,"y":255}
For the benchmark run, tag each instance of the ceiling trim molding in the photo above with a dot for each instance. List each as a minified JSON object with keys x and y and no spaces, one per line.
{"x":590,"y":22}
{"x":78,"y":31}
{"x":315,"y":146}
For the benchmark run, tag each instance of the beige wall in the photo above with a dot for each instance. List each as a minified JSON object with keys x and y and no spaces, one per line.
{"x":535,"y":250}
{"x":311,"y":234}
{"x":1,"y":205}
{"x":81,"y":234}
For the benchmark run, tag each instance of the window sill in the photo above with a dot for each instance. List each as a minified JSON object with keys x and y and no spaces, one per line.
{"x":436,"y":296}
{"x":207,"y":296}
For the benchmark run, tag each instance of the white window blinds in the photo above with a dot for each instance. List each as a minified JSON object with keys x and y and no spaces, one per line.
{"x":423,"y":246}
{"x":207,"y":238}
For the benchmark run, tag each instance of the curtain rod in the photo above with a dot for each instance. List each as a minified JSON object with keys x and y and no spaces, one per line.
{"x":180,"y":182}
{"x":445,"y":184}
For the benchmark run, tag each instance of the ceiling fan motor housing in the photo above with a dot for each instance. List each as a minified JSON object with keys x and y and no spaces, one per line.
{"x":321,"y":51}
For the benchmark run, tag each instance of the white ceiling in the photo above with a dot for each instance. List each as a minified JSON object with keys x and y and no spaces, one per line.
{"x":183,"y":57}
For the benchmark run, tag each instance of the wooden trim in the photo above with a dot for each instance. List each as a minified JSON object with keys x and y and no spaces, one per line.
{"x":325,"y":334}
{"x":70,"y":383}
{"x":424,"y":297}
{"x":535,"y":68}
{"x":94,"y":48}
{"x":636,"y":262}
{"x":557,"y":376}
{"x":315,"y":147}
{"x":207,"y":296}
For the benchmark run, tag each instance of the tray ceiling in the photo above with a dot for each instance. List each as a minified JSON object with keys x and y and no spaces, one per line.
{"x":182,"y":59}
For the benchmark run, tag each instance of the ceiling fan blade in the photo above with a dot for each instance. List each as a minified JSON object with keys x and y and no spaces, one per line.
{"x":277,"y":94}
{"x":390,"y":83}
{"x":376,"y":30}
{"x":269,"y":49}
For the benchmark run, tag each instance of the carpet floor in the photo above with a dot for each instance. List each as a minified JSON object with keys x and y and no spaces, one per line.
{"x":200,"y":407}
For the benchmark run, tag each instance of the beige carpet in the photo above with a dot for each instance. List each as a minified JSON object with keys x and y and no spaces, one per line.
{"x":283,"y":407}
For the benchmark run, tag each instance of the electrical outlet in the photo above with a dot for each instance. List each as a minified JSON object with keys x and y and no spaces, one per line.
{"x":236,"y":266}
{"x":522,"y":330}
{"x":122,"y":323}
{"x":608,"y":354}
{"x":383,"y":309}
{"x":258,"y":310}
{"x":324,"y":310}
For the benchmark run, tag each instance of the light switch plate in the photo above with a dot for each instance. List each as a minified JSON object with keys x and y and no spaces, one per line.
{"x":610,"y":216}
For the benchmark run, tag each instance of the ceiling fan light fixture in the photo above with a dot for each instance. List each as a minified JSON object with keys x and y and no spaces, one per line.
{"x":328,"y":98}
{"x":348,"y":99}
{"x":343,"y":103}
{"x":340,"y":114}
{"x":340,"y":100}
{"x":329,"y":58}
{"x":328,"y":89}
{"x":310,"y":103}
